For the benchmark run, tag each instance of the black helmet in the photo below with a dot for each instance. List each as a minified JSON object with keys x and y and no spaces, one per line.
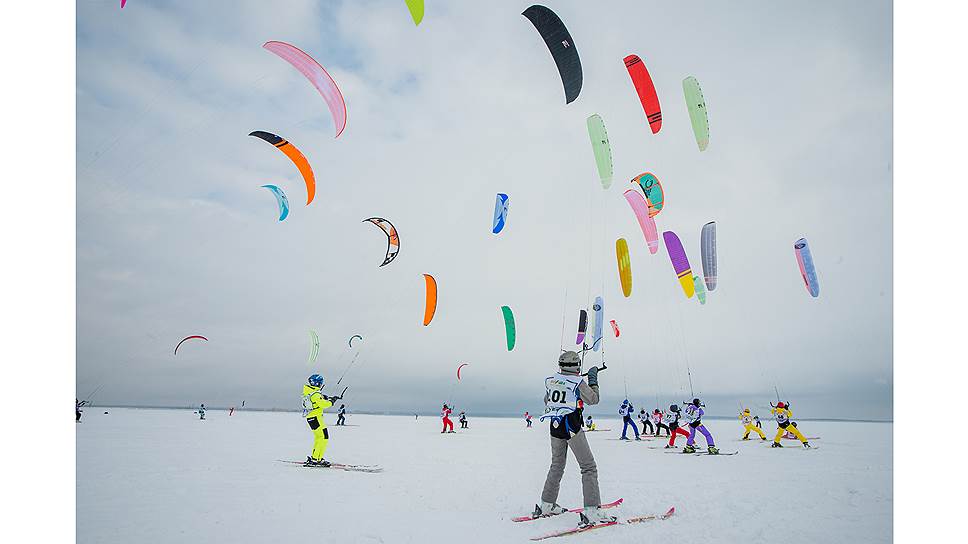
{"x":696,"y":403}
{"x":673,"y":408}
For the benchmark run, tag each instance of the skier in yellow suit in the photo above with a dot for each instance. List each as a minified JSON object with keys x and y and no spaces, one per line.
{"x":314,"y":402}
{"x":749,"y":425}
{"x":783,"y":415}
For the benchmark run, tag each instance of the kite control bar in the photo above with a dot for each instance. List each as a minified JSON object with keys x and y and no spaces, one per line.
{"x":601,"y":368}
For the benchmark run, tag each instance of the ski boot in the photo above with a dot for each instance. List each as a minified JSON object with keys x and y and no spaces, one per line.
{"x":667,"y":446}
{"x":763,"y":438}
{"x":746,"y":438}
{"x":624,"y":438}
{"x":712,"y":450}
{"x":547,"y":509}
{"x":309,"y":462}
{"x":689,"y":449}
{"x":806,"y":444}
{"x":776,"y":445}
{"x":638,"y":438}
{"x":594,"y":515}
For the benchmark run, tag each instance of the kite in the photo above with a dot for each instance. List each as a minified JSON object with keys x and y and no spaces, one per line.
{"x":122,"y":3}
{"x":313,"y":346}
{"x":295,"y":156}
{"x":615,"y":328}
{"x":500,"y":213}
{"x":189,"y":338}
{"x":416,"y":8}
{"x":509,"y":331}
{"x":652,"y":190}
{"x":640,"y":207}
{"x":646,"y":91}
{"x":603,"y":153}
{"x":317,"y":75}
{"x":624,"y":265}
{"x":562,"y":48}
{"x":431,"y":305}
{"x":679,"y":262}
{"x":807,"y":270}
{"x":708,"y":247}
{"x":462,"y":365}
{"x":393,"y":241}
{"x":700,"y":289}
{"x":599,"y":308}
{"x":281,"y":199}
{"x":582,"y":326}
{"x":697,"y":111}
{"x":354,"y":336}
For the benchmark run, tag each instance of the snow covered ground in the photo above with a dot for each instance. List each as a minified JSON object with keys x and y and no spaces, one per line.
{"x":163,"y":476}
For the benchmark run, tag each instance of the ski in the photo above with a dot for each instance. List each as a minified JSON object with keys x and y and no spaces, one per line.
{"x":573,"y":511}
{"x":581,"y":529}
{"x":703,"y":453}
{"x":337,"y":466}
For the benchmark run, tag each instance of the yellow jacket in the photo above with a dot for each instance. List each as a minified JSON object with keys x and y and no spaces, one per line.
{"x":746,"y":418}
{"x":316,"y":403}
{"x":783,"y":415}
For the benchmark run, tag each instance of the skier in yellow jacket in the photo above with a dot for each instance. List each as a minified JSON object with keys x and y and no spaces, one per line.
{"x":314,"y":402}
{"x":750,"y":425}
{"x":783,"y":415}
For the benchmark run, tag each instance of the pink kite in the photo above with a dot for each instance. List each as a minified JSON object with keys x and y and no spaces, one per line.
{"x":458,"y":370}
{"x":189,"y":338}
{"x":317,"y":75}
{"x":641,"y":209}
{"x":615,"y":328}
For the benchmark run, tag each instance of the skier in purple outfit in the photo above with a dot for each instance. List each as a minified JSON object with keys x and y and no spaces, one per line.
{"x":693,"y":416}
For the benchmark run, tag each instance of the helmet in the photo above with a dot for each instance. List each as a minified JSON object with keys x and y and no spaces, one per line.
{"x":569,"y":360}
{"x":695,"y":402}
{"x":315,"y":380}
{"x":674,"y":408}
{"x":656,"y":411}
{"x":746,"y":410}
{"x":780,"y":405}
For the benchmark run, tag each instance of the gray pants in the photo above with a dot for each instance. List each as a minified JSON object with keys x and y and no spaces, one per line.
{"x":586,"y":461}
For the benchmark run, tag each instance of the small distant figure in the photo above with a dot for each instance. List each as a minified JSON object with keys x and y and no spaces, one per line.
{"x":445,"y":416}
{"x":416,"y":417}
{"x":626,"y":410}
{"x":646,"y":422}
{"x":747,"y":420}
{"x":77,"y":409}
{"x":231,"y":411}
{"x":757,"y":420}
{"x":658,"y":418}
{"x":463,"y":420}
{"x":589,"y":423}
{"x":341,"y":415}
{"x":527,"y":419}
{"x":201,"y":412}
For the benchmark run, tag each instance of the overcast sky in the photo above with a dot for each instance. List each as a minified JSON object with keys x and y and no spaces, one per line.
{"x":175,"y":236}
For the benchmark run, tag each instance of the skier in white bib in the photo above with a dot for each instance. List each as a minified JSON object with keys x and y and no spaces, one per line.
{"x":566,"y":393}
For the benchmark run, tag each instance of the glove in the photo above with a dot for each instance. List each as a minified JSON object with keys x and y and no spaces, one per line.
{"x":593,"y":375}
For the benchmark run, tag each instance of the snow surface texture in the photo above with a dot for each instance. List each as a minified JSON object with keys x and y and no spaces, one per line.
{"x":164,"y":476}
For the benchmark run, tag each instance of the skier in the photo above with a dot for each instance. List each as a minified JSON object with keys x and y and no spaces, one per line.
{"x":77,"y":409}
{"x":341,"y":415}
{"x":201,"y":412}
{"x":231,"y":411}
{"x":672,"y":419}
{"x":626,"y":411}
{"x":527,"y":418}
{"x":445,"y":415}
{"x":566,"y":393}
{"x":463,"y":420}
{"x":783,"y":415}
{"x":646,"y":422}
{"x":314,"y":402}
{"x":658,"y":418}
{"x":590,"y":423}
{"x":693,"y":415}
{"x":757,"y":420}
{"x":747,"y":420}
